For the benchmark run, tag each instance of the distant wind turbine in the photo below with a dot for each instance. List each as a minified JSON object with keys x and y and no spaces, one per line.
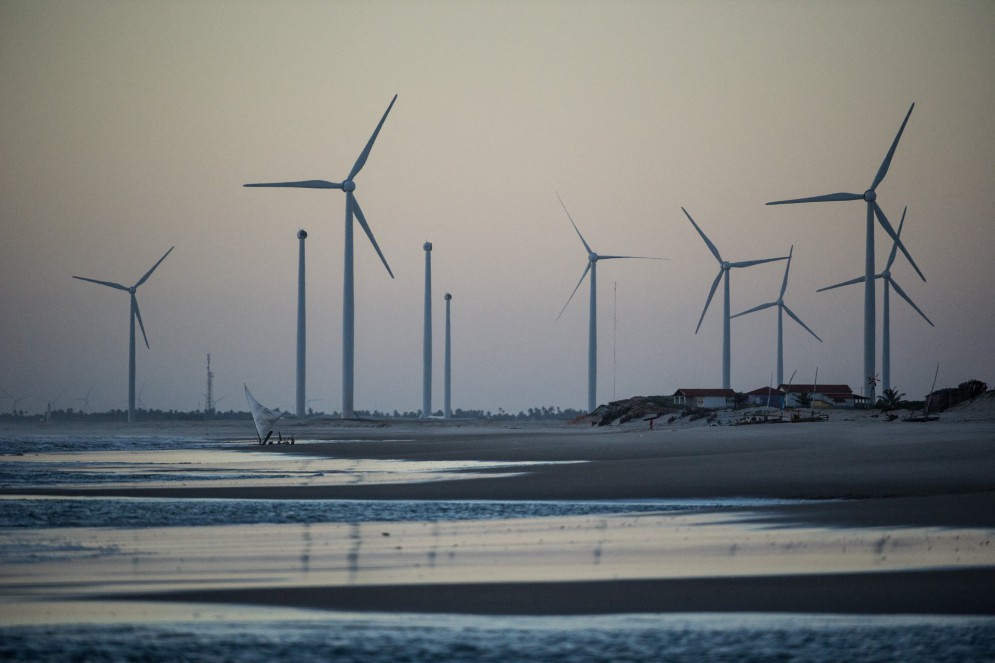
{"x":782,"y":308}
{"x":14,"y":401}
{"x":86,"y":399}
{"x":592,"y":338}
{"x":870,"y":197}
{"x":889,"y":283}
{"x":723,"y":275}
{"x":348,"y":185}
{"x":135,"y":313}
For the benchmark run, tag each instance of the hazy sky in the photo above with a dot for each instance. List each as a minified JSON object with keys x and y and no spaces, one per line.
{"x":129,"y":127}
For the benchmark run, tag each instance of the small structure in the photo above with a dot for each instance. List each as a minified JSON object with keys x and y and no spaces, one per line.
{"x":766,"y":396}
{"x":821,"y":395}
{"x":711,"y":399}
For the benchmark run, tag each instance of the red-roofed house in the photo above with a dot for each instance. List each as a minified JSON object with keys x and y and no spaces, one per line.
{"x":712,"y":399}
{"x":822,"y":395}
{"x":766,"y":396}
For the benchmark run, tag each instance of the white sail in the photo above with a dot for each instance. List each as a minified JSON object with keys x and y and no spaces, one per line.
{"x":263,"y":417}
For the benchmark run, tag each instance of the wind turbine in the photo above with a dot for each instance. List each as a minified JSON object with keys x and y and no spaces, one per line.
{"x":447,"y":410}
{"x":723,"y":275}
{"x":873,"y":209}
{"x":889,"y":283}
{"x":426,"y":408}
{"x":135,"y":313}
{"x":348,"y":185}
{"x":592,"y":335}
{"x":301,"y":325}
{"x":782,"y":308}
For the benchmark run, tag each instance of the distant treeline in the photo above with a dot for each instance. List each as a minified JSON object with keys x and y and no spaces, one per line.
{"x":71,"y":415}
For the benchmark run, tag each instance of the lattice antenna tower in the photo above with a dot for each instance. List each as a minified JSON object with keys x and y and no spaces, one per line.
{"x":209,"y":400}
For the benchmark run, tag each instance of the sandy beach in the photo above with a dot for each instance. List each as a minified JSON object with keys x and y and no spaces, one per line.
{"x":895,"y":487}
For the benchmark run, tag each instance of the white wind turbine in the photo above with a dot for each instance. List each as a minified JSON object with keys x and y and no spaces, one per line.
{"x":873,"y":209}
{"x":723,"y":275}
{"x":889,"y":283}
{"x":348,"y":299}
{"x":135,"y":313}
{"x":592,"y":336}
{"x":782,"y":308}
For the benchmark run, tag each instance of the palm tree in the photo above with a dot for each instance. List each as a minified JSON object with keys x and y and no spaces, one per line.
{"x":889,"y":400}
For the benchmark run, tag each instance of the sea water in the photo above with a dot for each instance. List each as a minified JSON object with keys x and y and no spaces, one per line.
{"x":237,"y":633}
{"x":389,"y":638}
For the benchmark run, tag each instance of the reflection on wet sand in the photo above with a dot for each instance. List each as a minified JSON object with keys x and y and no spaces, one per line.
{"x":95,"y":562}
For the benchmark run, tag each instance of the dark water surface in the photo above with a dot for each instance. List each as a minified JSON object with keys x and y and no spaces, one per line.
{"x":391,"y":638}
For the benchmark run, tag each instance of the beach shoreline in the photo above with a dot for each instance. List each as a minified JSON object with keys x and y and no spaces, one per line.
{"x":863,"y":473}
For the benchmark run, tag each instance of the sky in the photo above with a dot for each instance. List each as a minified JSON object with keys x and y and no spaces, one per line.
{"x":129,"y":127}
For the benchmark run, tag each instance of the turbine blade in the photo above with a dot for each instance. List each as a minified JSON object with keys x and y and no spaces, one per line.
{"x":904,"y":296}
{"x":883,"y":170}
{"x":369,"y":233}
{"x":601,"y":257}
{"x":109,"y":284}
{"x":138,"y":314}
{"x":754,"y":309}
{"x":799,"y":321}
{"x":582,"y":240}
{"x":787,"y":267}
{"x":361,"y":161}
{"x":751,"y":263}
{"x":149,"y":273}
{"x":582,"y":277}
{"x":829,"y":197}
{"x":306,"y":184}
{"x":711,"y":247}
{"x":859,"y":279}
{"x":894,"y":247}
{"x":711,"y":293}
{"x":891,"y":231}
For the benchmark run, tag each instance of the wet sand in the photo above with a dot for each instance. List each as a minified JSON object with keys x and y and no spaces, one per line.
{"x":864,"y":474}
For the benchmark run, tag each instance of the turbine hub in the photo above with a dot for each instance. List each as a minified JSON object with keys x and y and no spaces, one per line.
{"x":726,"y":265}
{"x":592,"y":256}
{"x":348,"y":186}
{"x":870,"y":195}
{"x":301,"y":234}
{"x":448,"y":296}
{"x":886,"y":274}
{"x":133,"y":289}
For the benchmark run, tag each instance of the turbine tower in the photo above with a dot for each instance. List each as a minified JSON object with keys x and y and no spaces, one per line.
{"x":426,"y":401}
{"x":889,"y":283}
{"x":447,"y":411}
{"x":782,"y":308}
{"x":592,"y":334}
{"x":135,"y":313}
{"x":873,"y":209}
{"x":723,"y":275}
{"x":348,"y":185}
{"x":301,"y":325}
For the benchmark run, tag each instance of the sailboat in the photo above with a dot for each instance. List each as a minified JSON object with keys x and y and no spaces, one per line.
{"x":925,"y":416}
{"x":263,"y":417}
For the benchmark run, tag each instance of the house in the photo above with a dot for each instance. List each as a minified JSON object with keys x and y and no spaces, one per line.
{"x":711,"y":399}
{"x":820,"y":395}
{"x":766,"y":396}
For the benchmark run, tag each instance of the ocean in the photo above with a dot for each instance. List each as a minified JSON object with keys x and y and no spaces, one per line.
{"x":95,"y":546}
